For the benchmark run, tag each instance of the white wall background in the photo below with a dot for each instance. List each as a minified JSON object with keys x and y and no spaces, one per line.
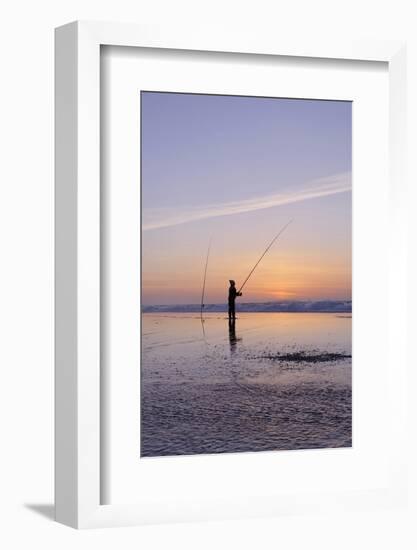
{"x":26,"y":269}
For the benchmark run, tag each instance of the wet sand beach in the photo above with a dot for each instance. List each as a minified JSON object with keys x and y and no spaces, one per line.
{"x":273,"y":381}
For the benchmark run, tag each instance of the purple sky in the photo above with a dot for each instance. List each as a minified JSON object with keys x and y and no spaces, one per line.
{"x":236,"y":169}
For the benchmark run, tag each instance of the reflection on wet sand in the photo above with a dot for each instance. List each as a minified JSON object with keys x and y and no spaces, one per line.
{"x":268,"y":381}
{"x":233,"y":339}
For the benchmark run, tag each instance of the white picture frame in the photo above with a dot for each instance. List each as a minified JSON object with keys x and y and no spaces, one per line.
{"x":78,"y":406}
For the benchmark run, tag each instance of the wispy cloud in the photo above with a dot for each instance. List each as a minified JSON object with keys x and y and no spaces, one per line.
{"x":156,"y":218}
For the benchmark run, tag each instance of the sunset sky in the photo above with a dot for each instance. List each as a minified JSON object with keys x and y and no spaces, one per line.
{"x":235,"y":170}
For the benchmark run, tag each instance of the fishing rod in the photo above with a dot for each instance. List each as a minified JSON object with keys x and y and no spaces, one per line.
{"x":266,"y":250}
{"x":204,"y":281}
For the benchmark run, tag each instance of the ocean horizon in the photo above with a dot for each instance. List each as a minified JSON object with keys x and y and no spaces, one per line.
{"x":293,"y":306}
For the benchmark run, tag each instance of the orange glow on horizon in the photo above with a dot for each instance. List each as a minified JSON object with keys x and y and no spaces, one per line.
{"x":315,"y":270}
{"x":275,"y":280}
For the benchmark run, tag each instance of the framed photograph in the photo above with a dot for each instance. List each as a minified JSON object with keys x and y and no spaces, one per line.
{"x":229,"y":331}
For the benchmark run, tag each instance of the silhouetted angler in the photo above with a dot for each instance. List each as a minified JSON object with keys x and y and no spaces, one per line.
{"x":233,"y":293}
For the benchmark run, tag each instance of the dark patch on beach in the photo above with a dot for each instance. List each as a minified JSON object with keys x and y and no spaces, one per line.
{"x":304,"y":357}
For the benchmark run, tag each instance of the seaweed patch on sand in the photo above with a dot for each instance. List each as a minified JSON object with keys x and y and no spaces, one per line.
{"x":304,"y":357}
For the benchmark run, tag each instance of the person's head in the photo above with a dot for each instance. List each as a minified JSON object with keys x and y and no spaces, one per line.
{"x":232,"y":283}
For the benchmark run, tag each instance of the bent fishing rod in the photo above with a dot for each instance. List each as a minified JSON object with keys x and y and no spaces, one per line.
{"x":266,"y":250}
{"x":204,"y":281}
